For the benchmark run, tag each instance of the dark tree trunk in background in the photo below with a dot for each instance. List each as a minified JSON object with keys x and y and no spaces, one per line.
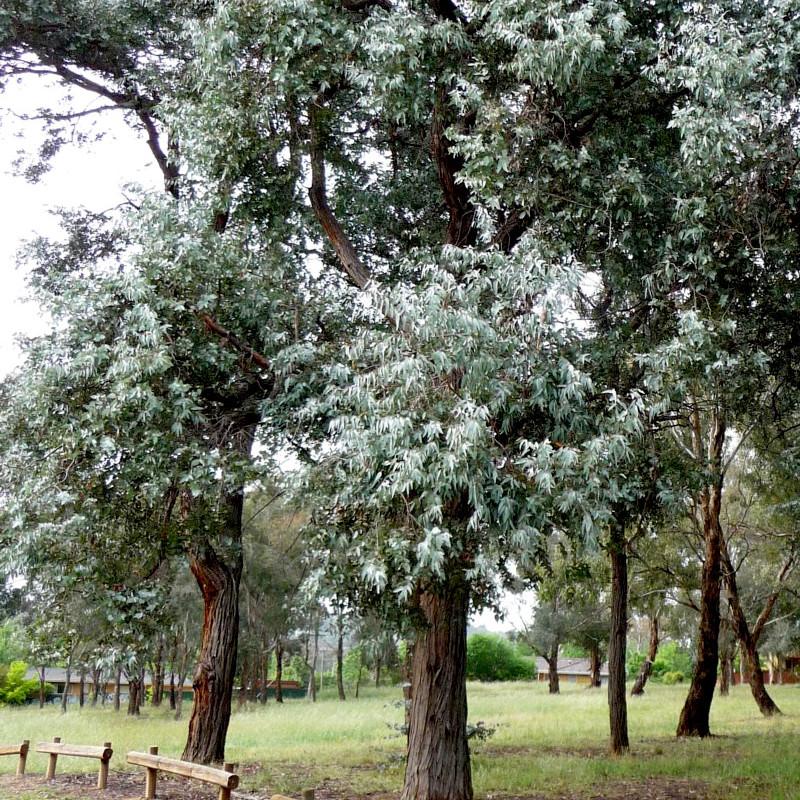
{"x":552,"y":670}
{"x":278,"y":671}
{"x":749,"y":640}
{"x":158,"y":674}
{"x":647,"y":664}
{"x":171,"y":691}
{"x":117,"y":688}
{"x":216,"y":664}
{"x":97,"y":677}
{"x":82,"y":687}
{"x":694,"y":719}
{"x":134,"y":690}
{"x":438,"y":764}
{"x":377,"y":671}
{"x":340,"y":666}
{"x":617,"y":702}
{"x":725,"y":672}
{"x":595,"y":681}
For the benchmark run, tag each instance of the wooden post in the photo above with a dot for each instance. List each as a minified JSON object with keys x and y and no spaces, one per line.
{"x":151,"y":777}
{"x":308,"y":794}
{"x":224,"y":791}
{"x":102,"y":777}
{"x":23,"y":757}
{"x":51,"y":764}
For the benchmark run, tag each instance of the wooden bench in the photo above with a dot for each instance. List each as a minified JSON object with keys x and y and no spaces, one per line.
{"x":57,"y":748}
{"x":225,"y":778}
{"x":17,"y":749}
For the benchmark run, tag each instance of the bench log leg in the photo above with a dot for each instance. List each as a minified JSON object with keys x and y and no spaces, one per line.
{"x":23,"y":757}
{"x":102,"y":777}
{"x":151,"y":778}
{"x":51,"y":764}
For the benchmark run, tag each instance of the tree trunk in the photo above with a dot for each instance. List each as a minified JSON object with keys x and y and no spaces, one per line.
{"x":117,"y":688}
{"x":158,"y":674}
{"x":694,"y":719}
{"x":311,"y":694}
{"x":595,"y":681}
{"x":265,"y":677}
{"x":438,"y":764}
{"x":617,"y":702}
{"x":553,"y":685}
{"x":216,"y":663}
{"x":171,"y":690}
{"x":340,"y":666}
{"x":278,"y":671}
{"x":134,"y":693}
{"x":647,"y":665}
{"x":97,"y":677}
{"x":749,"y":641}
{"x":377,"y":672}
{"x":41,"y":687}
{"x":82,"y":687}
{"x":725,"y":670}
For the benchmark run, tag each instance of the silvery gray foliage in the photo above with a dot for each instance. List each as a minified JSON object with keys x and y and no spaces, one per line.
{"x":469,"y":429}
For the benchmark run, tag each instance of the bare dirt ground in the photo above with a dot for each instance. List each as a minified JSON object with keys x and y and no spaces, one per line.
{"x":130,"y":786}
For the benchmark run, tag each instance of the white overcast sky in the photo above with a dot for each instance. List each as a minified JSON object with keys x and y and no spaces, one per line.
{"x":92,"y":176}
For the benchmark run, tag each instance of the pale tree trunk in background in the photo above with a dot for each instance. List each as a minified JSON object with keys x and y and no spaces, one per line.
{"x":65,"y":694}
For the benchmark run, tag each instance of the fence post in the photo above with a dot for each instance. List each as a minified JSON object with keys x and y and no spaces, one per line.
{"x":102,"y":777}
{"x":23,"y":757}
{"x":224,"y":791}
{"x":51,"y":764}
{"x":151,"y":777}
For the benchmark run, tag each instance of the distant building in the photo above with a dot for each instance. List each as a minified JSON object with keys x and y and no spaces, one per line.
{"x":571,"y":670}
{"x":57,"y":677}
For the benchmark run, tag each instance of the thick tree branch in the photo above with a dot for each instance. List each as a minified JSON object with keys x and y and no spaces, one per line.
{"x":461,"y":226}
{"x":348,"y":257}
{"x":237,"y":344}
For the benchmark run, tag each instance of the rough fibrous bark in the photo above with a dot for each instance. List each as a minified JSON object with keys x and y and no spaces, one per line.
{"x":647,"y":665}
{"x":438,"y":765}
{"x":617,"y":702}
{"x":216,"y":665}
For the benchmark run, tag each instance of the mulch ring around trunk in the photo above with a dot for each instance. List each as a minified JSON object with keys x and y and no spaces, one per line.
{"x":130,"y":786}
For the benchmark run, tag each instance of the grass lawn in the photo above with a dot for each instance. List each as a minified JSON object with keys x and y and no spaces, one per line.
{"x":543,"y":747}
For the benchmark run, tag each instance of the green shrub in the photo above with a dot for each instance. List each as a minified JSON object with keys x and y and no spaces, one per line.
{"x":491,"y":657}
{"x":672,"y":658}
{"x":14,"y":688}
{"x":670,"y":678}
